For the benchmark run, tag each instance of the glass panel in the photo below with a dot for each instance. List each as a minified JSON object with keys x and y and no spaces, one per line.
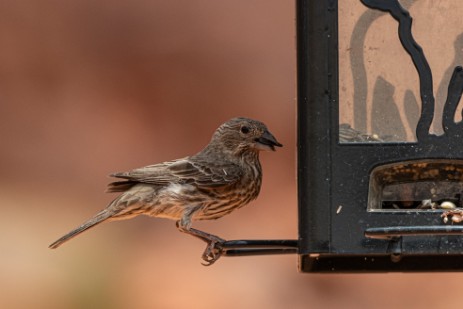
{"x":379,"y":95}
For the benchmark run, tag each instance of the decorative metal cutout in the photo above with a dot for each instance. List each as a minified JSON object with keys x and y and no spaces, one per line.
{"x":452,"y":130}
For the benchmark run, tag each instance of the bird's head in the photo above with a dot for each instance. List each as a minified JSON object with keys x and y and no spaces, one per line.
{"x":240,"y":135}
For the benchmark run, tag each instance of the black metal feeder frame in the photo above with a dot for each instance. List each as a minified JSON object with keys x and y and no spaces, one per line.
{"x":380,"y":182}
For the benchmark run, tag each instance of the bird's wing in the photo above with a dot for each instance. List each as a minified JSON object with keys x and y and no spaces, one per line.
{"x":201,"y":173}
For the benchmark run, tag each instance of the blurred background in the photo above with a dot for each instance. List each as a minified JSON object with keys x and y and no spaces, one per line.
{"x":92,"y":87}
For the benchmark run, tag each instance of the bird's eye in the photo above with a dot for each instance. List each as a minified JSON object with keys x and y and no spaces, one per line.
{"x":245,"y":130}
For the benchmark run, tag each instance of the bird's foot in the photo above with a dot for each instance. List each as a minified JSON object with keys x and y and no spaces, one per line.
{"x":456,"y":215}
{"x":213,"y":250}
{"x":214,"y":247}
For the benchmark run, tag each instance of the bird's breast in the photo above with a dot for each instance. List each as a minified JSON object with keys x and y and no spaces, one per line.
{"x":226,"y":199}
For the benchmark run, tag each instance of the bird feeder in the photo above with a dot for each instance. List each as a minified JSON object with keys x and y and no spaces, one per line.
{"x":380,"y":146}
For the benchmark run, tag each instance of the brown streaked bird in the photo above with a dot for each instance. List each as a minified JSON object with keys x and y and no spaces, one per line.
{"x":224,"y":176}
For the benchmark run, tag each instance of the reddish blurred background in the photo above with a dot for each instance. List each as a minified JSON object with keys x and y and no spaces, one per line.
{"x":92,"y":87}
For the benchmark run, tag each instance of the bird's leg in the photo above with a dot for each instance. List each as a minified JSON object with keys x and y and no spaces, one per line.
{"x":213,"y":250}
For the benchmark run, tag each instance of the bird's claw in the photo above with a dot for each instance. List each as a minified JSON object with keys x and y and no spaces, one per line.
{"x":213,"y":251}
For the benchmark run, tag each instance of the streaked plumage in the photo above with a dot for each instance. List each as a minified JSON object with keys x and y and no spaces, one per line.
{"x":224,"y":176}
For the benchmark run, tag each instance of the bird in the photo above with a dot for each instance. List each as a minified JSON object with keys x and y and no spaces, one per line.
{"x":222,"y":177}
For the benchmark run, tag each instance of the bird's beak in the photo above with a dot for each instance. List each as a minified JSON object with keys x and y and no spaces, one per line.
{"x":267,"y":142}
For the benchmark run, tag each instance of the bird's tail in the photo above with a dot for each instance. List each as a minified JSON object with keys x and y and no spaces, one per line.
{"x":98,"y":218}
